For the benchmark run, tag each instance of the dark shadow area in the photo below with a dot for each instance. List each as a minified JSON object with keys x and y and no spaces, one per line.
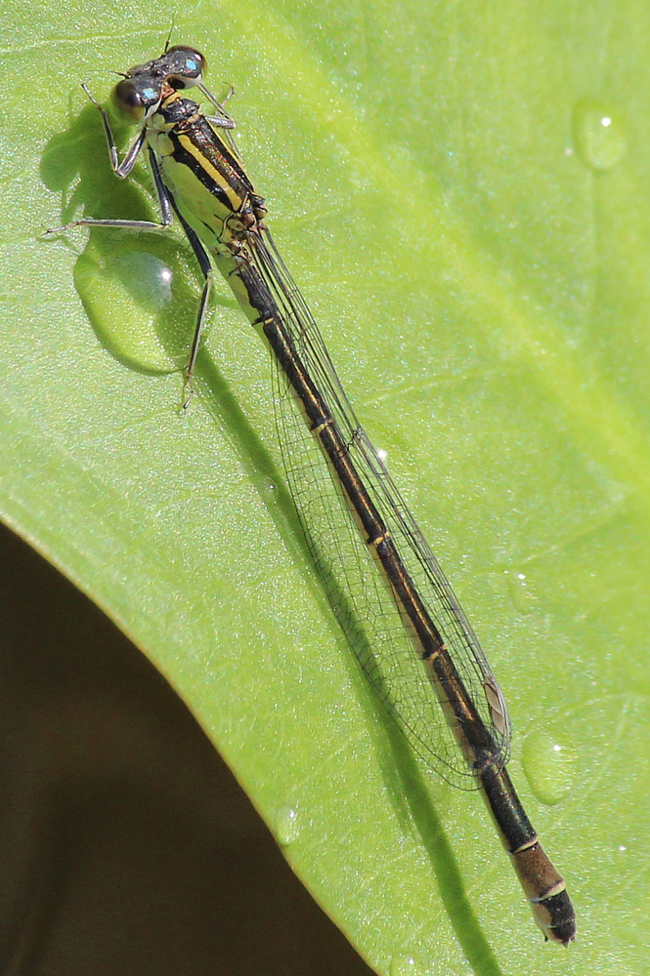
{"x":127,"y":845}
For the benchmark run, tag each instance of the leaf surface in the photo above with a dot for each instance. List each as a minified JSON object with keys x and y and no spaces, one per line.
{"x":462,"y":195}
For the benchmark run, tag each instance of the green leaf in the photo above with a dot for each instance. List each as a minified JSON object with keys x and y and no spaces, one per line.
{"x":462,"y":195}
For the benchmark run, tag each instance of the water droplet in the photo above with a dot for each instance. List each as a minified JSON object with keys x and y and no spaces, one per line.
{"x":599,"y":134}
{"x":266,"y":487}
{"x":126,"y":291}
{"x":287,"y":826}
{"x":402,"y":964}
{"x":549,"y":766}
{"x":521,"y":591}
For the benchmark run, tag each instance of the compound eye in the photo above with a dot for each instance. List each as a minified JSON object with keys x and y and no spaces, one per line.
{"x":186,"y":67}
{"x":128,"y":102}
{"x":133,"y":102}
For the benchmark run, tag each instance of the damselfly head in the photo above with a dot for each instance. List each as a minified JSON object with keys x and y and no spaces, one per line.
{"x":140,"y":93}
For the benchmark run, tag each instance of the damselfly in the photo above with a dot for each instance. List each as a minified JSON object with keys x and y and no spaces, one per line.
{"x":406,"y":625}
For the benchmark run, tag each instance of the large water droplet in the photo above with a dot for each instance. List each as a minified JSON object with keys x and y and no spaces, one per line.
{"x":598,"y":133}
{"x":126,"y":291}
{"x":549,"y":765}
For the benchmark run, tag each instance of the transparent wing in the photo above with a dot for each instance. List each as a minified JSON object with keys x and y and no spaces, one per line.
{"x":358,"y":593}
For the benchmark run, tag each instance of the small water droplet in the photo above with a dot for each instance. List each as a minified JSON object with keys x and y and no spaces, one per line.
{"x":599,"y":134}
{"x":521,"y":592}
{"x":402,"y":964}
{"x":287,"y":826}
{"x":125,"y":291}
{"x":549,"y":765}
{"x":264,"y":485}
